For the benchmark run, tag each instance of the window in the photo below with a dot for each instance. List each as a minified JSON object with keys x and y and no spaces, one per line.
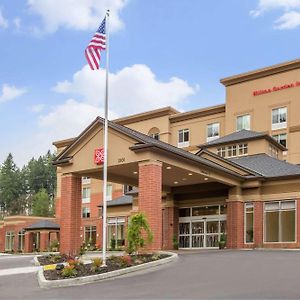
{"x":183,"y":138}
{"x":154,"y":133}
{"x":279,"y":118}
{"x":213,"y":131}
{"x":90,"y":233}
{"x":273,"y":151}
{"x":21,"y":240}
{"x":221,"y":151}
{"x":243,"y":149}
{"x":85,"y":180}
{"x":86,"y":195}
{"x":86,"y":212}
{"x":281,"y":139}
{"x":249,"y":217}
{"x":127,"y":188}
{"x":109,"y":190}
{"x":243,"y":122}
{"x":231,"y":151}
{"x":115,"y":232}
{"x":280,"y":221}
{"x":9,"y":240}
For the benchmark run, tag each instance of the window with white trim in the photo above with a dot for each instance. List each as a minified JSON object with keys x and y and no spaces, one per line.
{"x":231,"y":151}
{"x":183,"y":138}
{"x":243,"y":122}
{"x":273,"y":151}
{"x":85,"y":180}
{"x":109,"y":191}
{"x":21,"y":240}
{"x":279,"y":118}
{"x":9,"y":240}
{"x":249,"y":221}
{"x":221,"y":151}
{"x":86,"y":212}
{"x":280,"y":221}
{"x":213,"y":131}
{"x":90,"y":233}
{"x":281,"y":139}
{"x":86,"y":195}
{"x":242,"y":149}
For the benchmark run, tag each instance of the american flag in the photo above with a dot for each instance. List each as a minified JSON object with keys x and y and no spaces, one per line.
{"x":98,"y":43}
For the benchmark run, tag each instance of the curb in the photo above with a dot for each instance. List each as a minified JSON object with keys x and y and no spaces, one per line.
{"x":36,"y":261}
{"x":44,"y":283}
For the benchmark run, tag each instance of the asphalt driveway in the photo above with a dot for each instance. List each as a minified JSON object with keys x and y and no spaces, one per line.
{"x":198,"y":275}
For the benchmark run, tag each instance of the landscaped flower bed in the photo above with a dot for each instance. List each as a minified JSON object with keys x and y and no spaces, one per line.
{"x":75,"y":268}
{"x":52,"y":259}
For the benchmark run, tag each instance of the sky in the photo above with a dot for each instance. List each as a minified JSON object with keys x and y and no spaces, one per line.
{"x":162,"y":53}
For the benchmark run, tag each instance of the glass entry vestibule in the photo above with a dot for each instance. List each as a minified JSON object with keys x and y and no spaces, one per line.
{"x":201,"y":227}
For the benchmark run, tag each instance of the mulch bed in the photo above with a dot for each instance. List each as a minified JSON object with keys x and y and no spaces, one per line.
{"x":52,"y":259}
{"x":113,"y":263}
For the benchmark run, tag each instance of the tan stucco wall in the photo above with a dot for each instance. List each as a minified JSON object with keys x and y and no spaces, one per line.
{"x":240,"y":100}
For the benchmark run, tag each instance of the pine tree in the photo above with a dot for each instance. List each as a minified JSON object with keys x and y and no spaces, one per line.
{"x":41,"y":204}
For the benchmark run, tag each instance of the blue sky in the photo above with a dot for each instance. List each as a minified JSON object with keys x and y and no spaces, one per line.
{"x":163,"y":52}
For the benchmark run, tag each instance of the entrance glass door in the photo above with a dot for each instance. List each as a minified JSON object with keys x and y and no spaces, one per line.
{"x":212,"y":233}
{"x":198,"y":234}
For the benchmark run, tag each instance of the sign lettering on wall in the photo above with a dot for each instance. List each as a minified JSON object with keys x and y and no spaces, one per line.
{"x":276,"y":88}
{"x":99,"y":156}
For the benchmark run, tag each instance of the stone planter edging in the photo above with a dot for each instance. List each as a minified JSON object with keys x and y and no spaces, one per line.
{"x":44,"y":283}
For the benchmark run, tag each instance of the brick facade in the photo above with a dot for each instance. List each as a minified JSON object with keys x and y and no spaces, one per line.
{"x":235,"y":224}
{"x":149,"y":201}
{"x":70,"y":221}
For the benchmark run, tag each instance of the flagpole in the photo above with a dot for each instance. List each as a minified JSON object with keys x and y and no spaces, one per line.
{"x":105,"y":143}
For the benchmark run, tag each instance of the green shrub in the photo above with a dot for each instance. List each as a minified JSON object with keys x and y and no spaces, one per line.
{"x":73,"y":263}
{"x":137,"y":224}
{"x":69,"y":271}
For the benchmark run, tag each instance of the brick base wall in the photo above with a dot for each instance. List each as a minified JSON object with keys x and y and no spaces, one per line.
{"x":149,"y":201}
{"x":70,"y":214}
{"x":235,"y":224}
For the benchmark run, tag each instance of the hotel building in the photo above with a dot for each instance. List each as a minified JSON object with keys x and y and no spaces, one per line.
{"x":230,"y":169}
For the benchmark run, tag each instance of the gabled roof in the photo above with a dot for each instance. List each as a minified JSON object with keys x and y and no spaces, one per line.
{"x":143,"y":142}
{"x":242,"y":135}
{"x":44,"y":224}
{"x":267,"y":166}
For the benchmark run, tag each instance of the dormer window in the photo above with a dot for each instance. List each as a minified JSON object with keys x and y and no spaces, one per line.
{"x":233,"y":150}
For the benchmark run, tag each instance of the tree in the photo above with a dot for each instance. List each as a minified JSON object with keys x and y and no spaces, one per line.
{"x":138,"y":225}
{"x":11,"y":187}
{"x":41,"y":205}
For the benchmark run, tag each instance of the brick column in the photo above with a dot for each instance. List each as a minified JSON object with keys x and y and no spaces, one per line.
{"x":2,"y":239}
{"x":28,"y":242}
{"x":149,"y":201}
{"x":235,"y":224}
{"x":298,"y":222}
{"x":170,"y":227}
{"x":258,"y":224}
{"x":70,"y":214}
{"x":44,"y":240}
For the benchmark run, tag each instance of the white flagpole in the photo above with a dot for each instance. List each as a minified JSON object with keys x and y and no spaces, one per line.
{"x":105,"y":142}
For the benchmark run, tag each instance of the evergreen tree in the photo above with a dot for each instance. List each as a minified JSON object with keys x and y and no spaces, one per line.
{"x":11,"y":187}
{"x":41,"y":204}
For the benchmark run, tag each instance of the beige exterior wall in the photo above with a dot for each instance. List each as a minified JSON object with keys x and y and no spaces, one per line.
{"x":240,"y":100}
{"x":197,"y":129}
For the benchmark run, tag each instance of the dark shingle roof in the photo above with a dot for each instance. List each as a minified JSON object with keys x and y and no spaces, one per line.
{"x":267,"y":166}
{"x":123,"y":200}
{"x":43,"y":224}
{"x":146,"y":141}
{"x":242,"y":135}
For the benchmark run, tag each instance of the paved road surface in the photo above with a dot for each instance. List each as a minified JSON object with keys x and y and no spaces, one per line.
{"x":202,"y":275}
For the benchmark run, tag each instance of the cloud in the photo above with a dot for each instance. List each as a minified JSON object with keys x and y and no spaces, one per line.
{"x":131,"y":90}
{"x":290,"y":18}
{"x":74,"y":14}
{"x":10,"y":92}
{"x":37,"y":108}
{"x":3,"y":21}
{"x":68,"y":120}
{"x":17,"y":23}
